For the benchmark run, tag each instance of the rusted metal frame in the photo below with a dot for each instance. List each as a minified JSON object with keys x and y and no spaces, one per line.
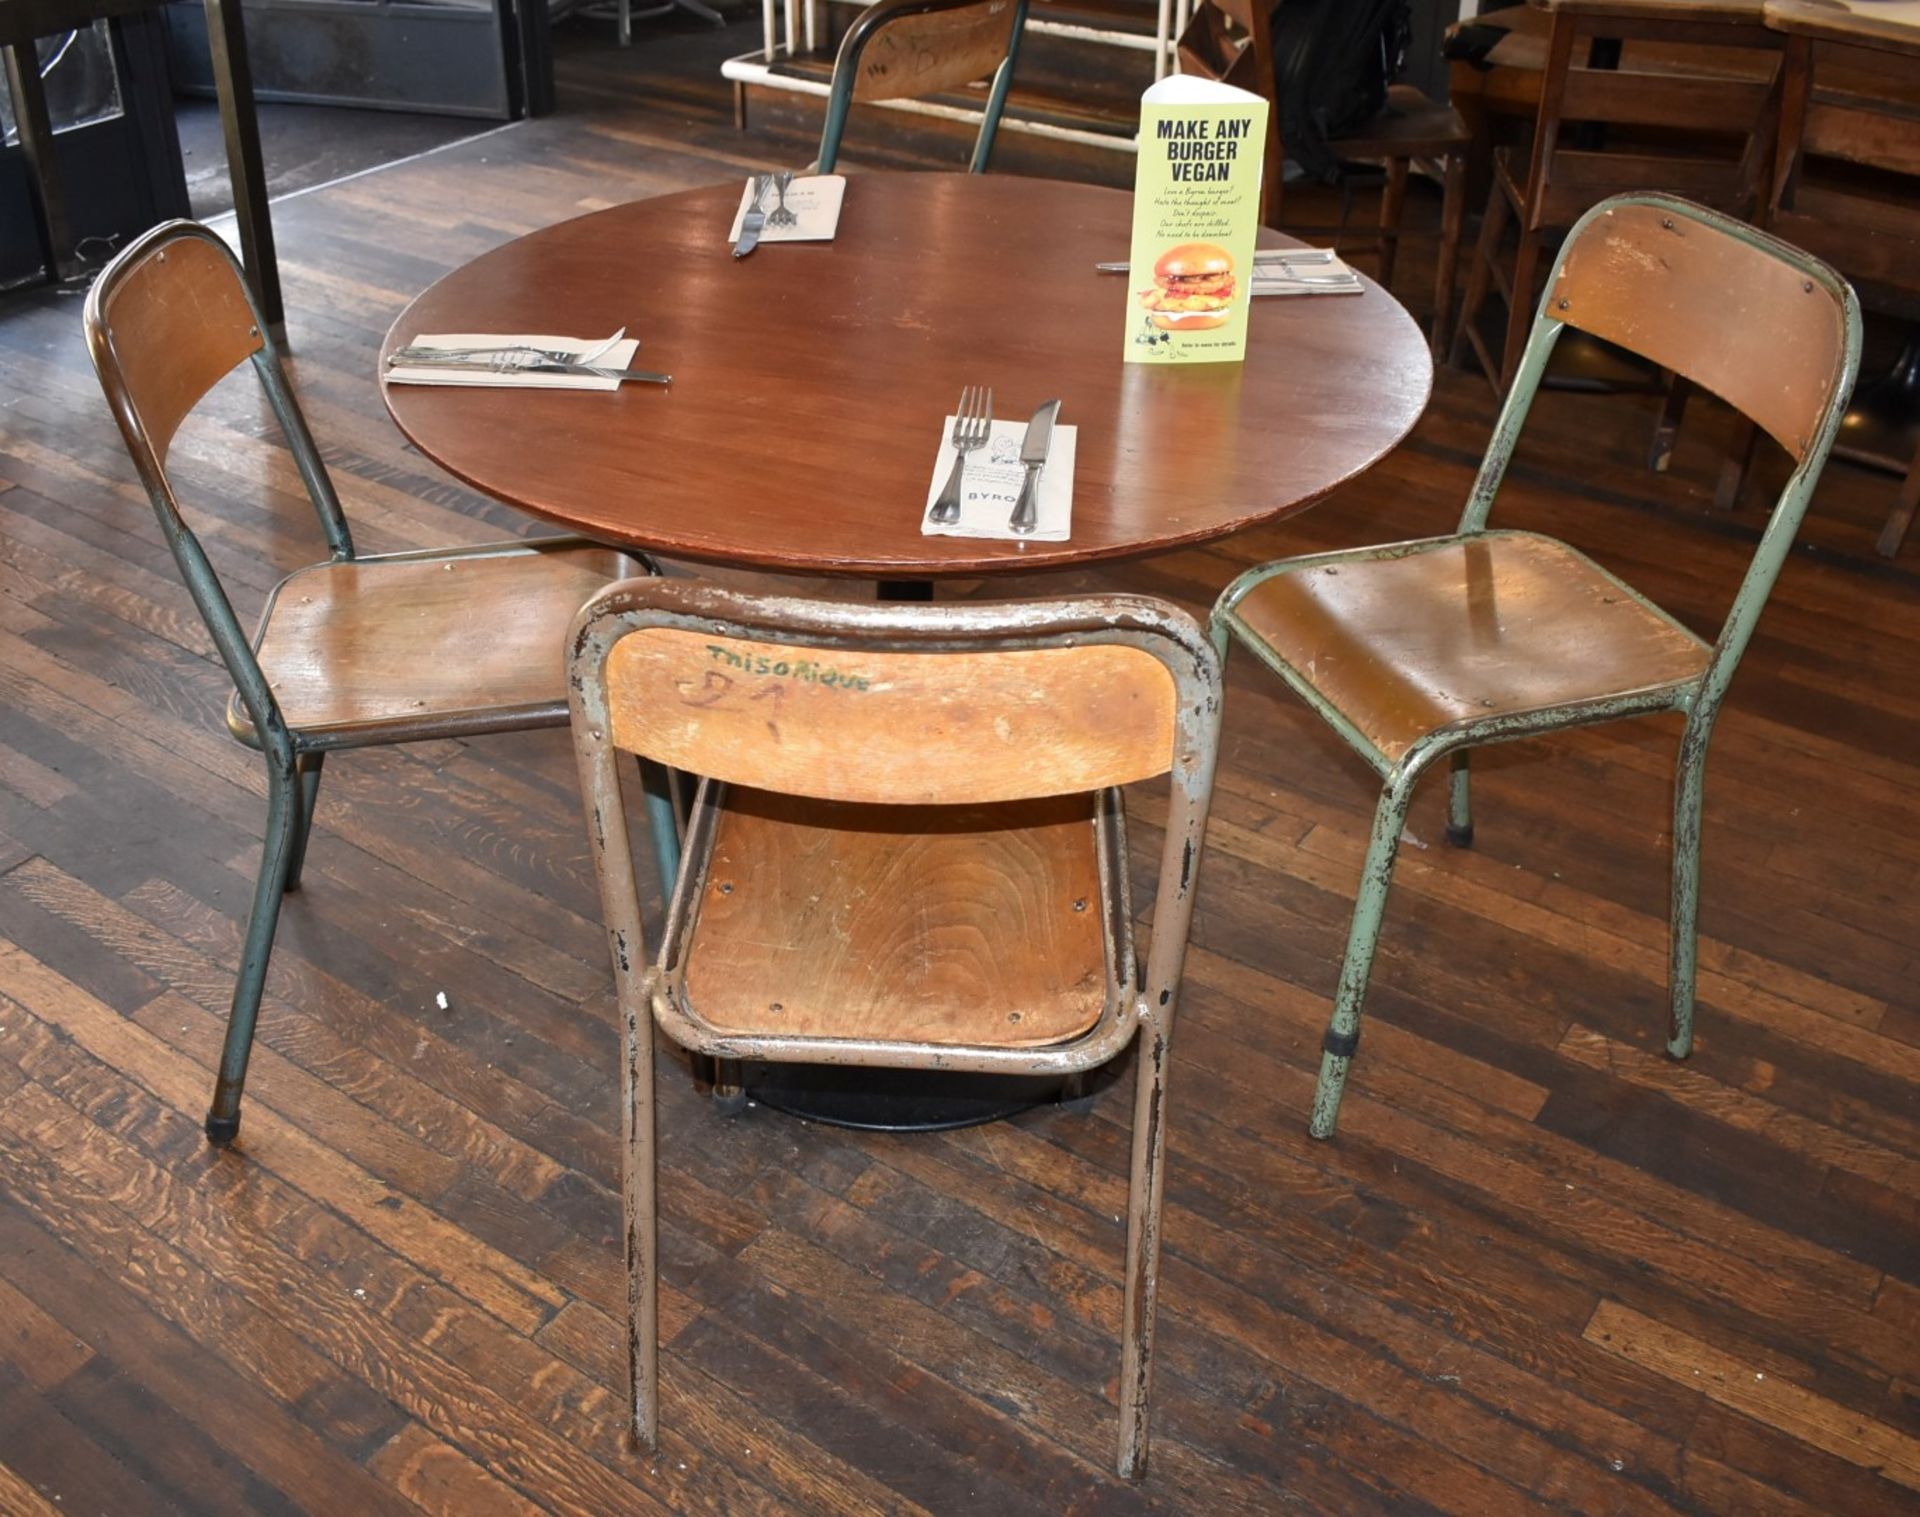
{"x":1197,"y":755}
{"x":1168,"y":634}
{"x":846,"y":66}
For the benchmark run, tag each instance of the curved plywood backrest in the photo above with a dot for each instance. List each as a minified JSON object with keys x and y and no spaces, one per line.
{"x":167,"y":321}
{"x":843,"y":722}
{"x":1752,"y":320}
{"x":926,"y":51}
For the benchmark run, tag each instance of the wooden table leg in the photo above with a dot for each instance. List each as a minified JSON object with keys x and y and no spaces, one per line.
{"x":233,"y":79}
{"x":37,"y":144}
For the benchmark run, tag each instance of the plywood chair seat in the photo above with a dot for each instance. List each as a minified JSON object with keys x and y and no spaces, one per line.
{"x":367,"y":650}
{"x":1412,"y":639}
{"x":961,"y":925}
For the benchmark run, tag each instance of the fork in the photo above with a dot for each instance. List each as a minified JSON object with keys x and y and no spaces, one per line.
{"x":973,"y":419}
{"x":780,"y":215}
{"x":414,"y":352}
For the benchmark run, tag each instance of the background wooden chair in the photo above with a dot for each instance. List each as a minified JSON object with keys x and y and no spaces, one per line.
{"x":905,"y":49}
{"x":1846,"y":186}
{"x":909,"y":852}
{"x":350,"y":652}
{"x":1419,"y":651}
{"x":1232,"y":40}
{"x":1635,"y":96}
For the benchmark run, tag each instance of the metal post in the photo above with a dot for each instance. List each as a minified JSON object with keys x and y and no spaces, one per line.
{"x":233,"y":80}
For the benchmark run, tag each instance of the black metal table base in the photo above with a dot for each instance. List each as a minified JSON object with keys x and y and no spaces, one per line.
{"x":896,"y":1100}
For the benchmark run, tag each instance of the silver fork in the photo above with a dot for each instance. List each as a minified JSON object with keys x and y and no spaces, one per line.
{"x":413,"y":352}
{"x":973,"y":420}
{"x":780,"y":215}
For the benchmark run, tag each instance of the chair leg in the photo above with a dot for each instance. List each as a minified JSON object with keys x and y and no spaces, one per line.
{"x":309,"y":793}
{"x":1672,"y":411}
{"x":640,"y":1175}
{"x":663,"y":823}
{"x":1393,"y":201}
{"x":1144,"y":1192}
{"x":1520,"y":309}
{"x":1683,"y":941}
{"x":1460,"y":802}
{"x":1343,"y":1031}
{"x":1453,"y":210}
{"x":1493,"y":226}
{"x":1736,"y":465}
{"x":1901,"y":518}
{"x":283,"y":807}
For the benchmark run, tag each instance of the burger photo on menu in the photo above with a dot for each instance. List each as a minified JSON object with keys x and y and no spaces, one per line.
{"x":1193,"y":288}
{"x":1196,"y":216}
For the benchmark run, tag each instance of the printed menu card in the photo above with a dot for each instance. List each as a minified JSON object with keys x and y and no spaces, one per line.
{"x":1196,"y":213}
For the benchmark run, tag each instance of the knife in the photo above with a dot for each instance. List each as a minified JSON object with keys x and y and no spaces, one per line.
{"x":1260,"y":256}
{"x":754,"y":220}
{"x":592,"y":371}
{"x":1033,"y":453}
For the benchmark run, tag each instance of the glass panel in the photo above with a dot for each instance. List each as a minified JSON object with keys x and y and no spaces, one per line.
{"x":81,"y":82}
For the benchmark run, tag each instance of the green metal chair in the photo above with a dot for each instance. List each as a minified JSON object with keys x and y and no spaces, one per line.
{"x":1415,"y":651}
{"x":350,"y":652}
{"x":902,"y":49}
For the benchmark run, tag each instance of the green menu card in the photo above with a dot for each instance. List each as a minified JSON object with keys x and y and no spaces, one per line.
{"x":1196,"y":212}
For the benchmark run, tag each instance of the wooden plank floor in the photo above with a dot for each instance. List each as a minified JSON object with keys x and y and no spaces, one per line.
{"x":1541,"y":1268}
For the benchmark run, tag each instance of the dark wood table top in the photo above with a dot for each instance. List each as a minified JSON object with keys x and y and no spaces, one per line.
{"x":801,"y":430}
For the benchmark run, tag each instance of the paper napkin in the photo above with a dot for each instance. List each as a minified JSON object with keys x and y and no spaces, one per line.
{"x":991,"y":486}
{"x":815,"y":199}
{"x":619,"y":356}
{"x":1284,"y":272}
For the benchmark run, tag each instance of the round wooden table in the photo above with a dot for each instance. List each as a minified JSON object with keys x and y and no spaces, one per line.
{"x":810,"y":380}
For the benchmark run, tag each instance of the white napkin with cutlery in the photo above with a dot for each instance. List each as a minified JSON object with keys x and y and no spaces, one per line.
{"x":619,"y":356}
{"x":1281,"y":274}
{"x":990,"y":488}
{"x":815,"y":199}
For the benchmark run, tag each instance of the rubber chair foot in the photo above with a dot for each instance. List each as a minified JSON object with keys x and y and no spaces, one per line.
{"x":729,"y":1103}
{"x":1460,"y":837}
{"x":222,"y":1130}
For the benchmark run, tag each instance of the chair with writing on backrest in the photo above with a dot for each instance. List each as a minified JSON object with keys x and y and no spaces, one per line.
{"x":1419,"y":651}
{"x":909,"y":852}
{"x":1695,"y":118}
{"x":350,"y":652}
{"x":909,"y":49}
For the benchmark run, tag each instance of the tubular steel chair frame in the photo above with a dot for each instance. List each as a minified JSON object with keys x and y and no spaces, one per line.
{"x":845,"y":87}
{"x":1699,"y":698}
{"x":1138,"y":1000}
{"x":293,"y":757}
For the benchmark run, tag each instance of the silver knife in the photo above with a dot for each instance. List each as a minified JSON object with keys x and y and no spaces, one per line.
{"x":592,"y":371}
{"x":1260,"y":256}
{"x":1033,"y":453}
{"x":754,"y":220}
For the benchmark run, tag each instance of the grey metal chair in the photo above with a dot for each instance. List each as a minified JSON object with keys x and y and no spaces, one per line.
{"x":904,"y":49}
{"x":350,"y":652}
{"x":1418,"y":651}
{"x":908,"y":852}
